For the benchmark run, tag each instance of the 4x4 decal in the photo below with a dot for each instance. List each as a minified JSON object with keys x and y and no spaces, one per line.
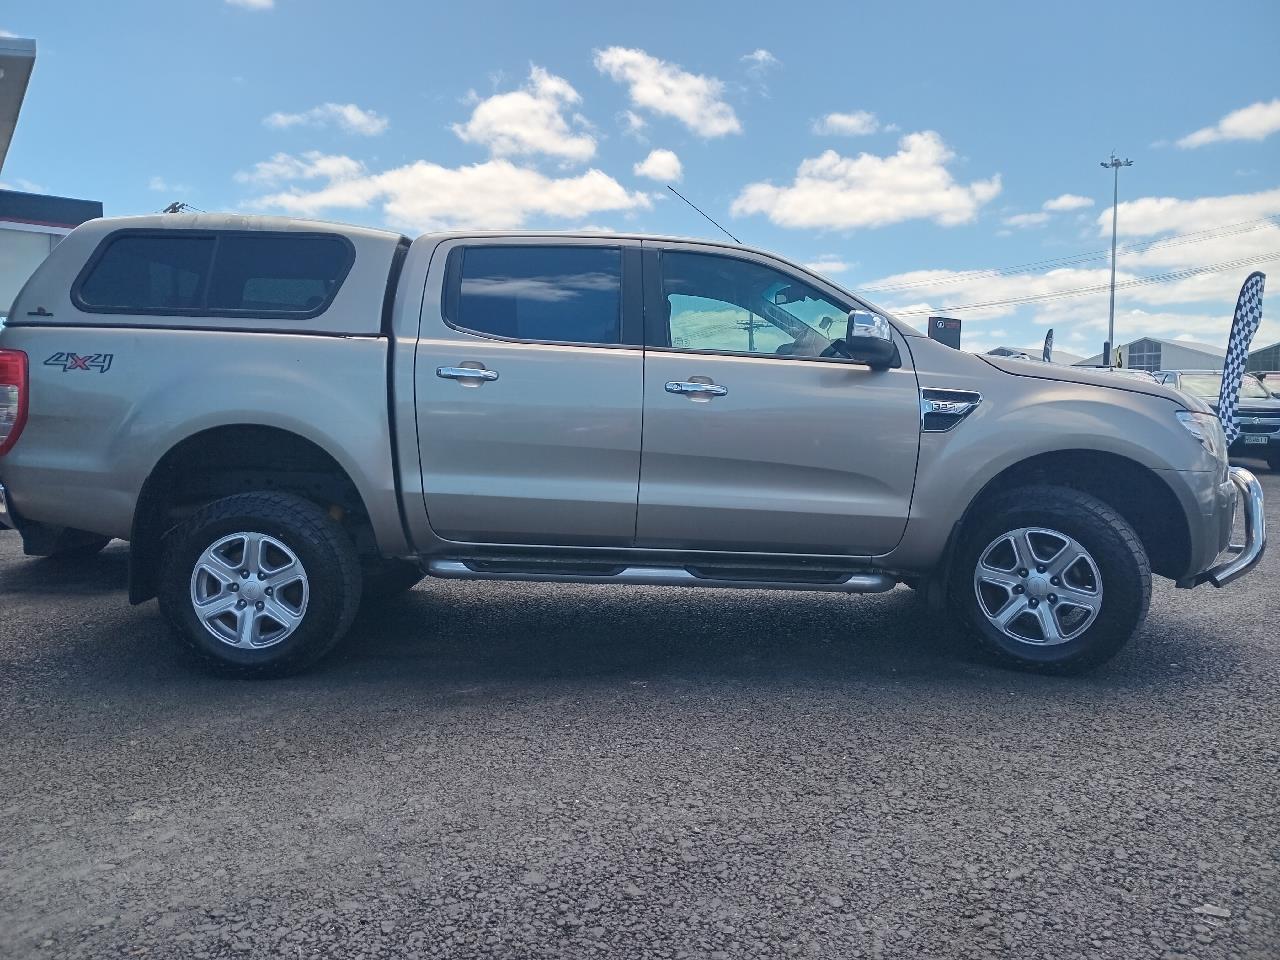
{"x":77,"y":361}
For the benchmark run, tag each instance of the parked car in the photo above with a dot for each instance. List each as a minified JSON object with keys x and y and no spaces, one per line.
{"x":1258,"y":412}
{"x":1271,"y":381}
{"x":286,"y":418}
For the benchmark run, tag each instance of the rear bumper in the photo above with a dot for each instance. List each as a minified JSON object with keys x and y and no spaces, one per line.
{"x":1241,"y":558}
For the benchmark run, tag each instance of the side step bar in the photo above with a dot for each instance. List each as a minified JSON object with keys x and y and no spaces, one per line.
{"x":862,"y":582}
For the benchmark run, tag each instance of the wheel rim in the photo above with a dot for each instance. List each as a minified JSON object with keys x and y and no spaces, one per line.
{"x":249,"y":591}
{"x":1038,"y":586}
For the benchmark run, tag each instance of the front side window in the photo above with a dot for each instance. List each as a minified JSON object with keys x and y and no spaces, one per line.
{"x":570,"y":294}
{"x":720,"y":303}
{"x":215,"y":274}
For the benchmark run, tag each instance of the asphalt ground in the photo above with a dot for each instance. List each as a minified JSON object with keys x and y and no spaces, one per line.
{"x":528,"y":771}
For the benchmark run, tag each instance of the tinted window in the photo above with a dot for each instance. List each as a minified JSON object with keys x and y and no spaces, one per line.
{"x":216,"y":274}
{"x":566,"y":294}
{"x":148,"y":273}
{"x":722,"y":303}
{"x":268,"y":274}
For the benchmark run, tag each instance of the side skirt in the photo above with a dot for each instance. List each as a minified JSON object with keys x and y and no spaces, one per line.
{"x":750,"y":578}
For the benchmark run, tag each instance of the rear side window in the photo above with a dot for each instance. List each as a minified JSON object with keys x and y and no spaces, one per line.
{"x":149,"y":273}
{"x":569,"y":294}
{"x":194,"y":273}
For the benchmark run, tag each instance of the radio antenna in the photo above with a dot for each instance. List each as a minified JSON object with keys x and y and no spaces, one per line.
{"x":708,"y":219}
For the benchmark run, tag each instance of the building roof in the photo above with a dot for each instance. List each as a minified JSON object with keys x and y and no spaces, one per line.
{"x":42,"y":210}
{"x":17,"y":57}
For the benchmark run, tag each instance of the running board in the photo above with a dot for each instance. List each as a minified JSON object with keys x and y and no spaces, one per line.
{"x":862,"y":582}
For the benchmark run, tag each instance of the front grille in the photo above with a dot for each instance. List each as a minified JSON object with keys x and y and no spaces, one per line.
{"x":1269,"y":426}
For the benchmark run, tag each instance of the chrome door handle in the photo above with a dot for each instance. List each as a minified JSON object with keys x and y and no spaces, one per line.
{"x":466,"y":373}
{"x":698,"y":389}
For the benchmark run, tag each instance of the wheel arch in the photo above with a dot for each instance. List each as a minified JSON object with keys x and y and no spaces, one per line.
{"x":234,"y":458}
{"x":1136,"y":492}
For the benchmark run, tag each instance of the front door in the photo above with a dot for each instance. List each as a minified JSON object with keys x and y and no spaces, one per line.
{"x":788,"y":449}
{"x":529,"y":392}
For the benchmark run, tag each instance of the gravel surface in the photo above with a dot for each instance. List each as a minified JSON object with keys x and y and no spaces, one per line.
{"x":526,"y":771}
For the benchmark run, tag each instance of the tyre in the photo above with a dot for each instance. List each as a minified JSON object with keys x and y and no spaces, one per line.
{"x":1273,"y":462}
{"x":388,"y":578}
{"x":259,"y":583}
{"x":1051,"y":579}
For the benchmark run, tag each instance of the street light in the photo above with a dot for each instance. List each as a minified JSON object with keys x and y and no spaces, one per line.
{"x":1115,"y":164}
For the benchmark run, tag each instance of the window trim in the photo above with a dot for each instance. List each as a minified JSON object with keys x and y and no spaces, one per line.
{"x":658,"y":331}
{"x":216,"y":235}
{"x":630,"y":305}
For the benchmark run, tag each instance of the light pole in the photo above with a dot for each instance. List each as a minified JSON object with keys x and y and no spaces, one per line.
{"x":1115,"y":164}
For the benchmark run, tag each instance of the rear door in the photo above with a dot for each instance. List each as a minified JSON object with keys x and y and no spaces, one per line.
{"x":529,"y":391}
{"x":785,"y":450}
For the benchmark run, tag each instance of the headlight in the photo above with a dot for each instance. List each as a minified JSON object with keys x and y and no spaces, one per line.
{"x":1206,"y":428}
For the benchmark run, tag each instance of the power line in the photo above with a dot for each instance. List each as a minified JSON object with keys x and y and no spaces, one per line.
{"x":1085,"y":291}
{"x":1198,"y":236}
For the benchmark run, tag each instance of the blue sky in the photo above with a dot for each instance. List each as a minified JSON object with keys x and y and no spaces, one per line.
{"x":918,"y":150}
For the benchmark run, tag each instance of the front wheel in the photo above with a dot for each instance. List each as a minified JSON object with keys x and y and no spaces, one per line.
{"x":1273,"y":461}
{"x":260,"y":583}
{"x":1051,"y":578}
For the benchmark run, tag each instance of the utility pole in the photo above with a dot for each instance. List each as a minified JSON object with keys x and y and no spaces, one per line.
{"x":1115,"y":164}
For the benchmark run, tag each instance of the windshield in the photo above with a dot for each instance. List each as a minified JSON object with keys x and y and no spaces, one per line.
{"x":1210,"y":385}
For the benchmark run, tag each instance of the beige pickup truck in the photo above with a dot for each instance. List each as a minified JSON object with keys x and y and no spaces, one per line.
{"x":287,"y":419}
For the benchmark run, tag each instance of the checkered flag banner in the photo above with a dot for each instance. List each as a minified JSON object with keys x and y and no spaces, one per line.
{"x":1047,"y":353}
{"x":1243,"y":327}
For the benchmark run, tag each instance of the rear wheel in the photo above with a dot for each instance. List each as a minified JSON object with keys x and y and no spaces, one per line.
{"x":1051,"y":578}
{"x":260,"y":583}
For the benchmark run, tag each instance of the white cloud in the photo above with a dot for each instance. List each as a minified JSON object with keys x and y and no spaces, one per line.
{"x":253,"y":4}
{"x":760,"y":58}
{"x":1067,"y":201}
{"x":348,"y":116}
{"x":1024,"y":220}
{"x":838,"y":192}
{"x":1153,"y":215}
{"x":1254,"y":122}
{"x":424,"y":196}
{"x":661,"y":165}
{"x":530,"y":121}
{"x":1194,"y":305}
{"x":311,"y":165}
{"x":161,"y":185}
{"x":632,"y":122}
{"x":22,"y":185}
{"x":828,"y":264}
{"x":858,"y":123}
{"x":664,"y":88}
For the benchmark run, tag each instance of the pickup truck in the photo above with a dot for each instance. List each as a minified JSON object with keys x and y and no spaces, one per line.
{"x":1258,"y":412}
{"x":286,"y":419}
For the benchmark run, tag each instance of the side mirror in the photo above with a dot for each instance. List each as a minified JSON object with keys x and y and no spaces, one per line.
{"x":869,"y":339}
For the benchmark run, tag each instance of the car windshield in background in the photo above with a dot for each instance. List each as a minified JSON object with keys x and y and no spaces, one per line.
{"x":1210,"y":385}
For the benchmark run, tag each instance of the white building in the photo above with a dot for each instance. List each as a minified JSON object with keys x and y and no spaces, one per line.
{"x":1151,"y":353}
